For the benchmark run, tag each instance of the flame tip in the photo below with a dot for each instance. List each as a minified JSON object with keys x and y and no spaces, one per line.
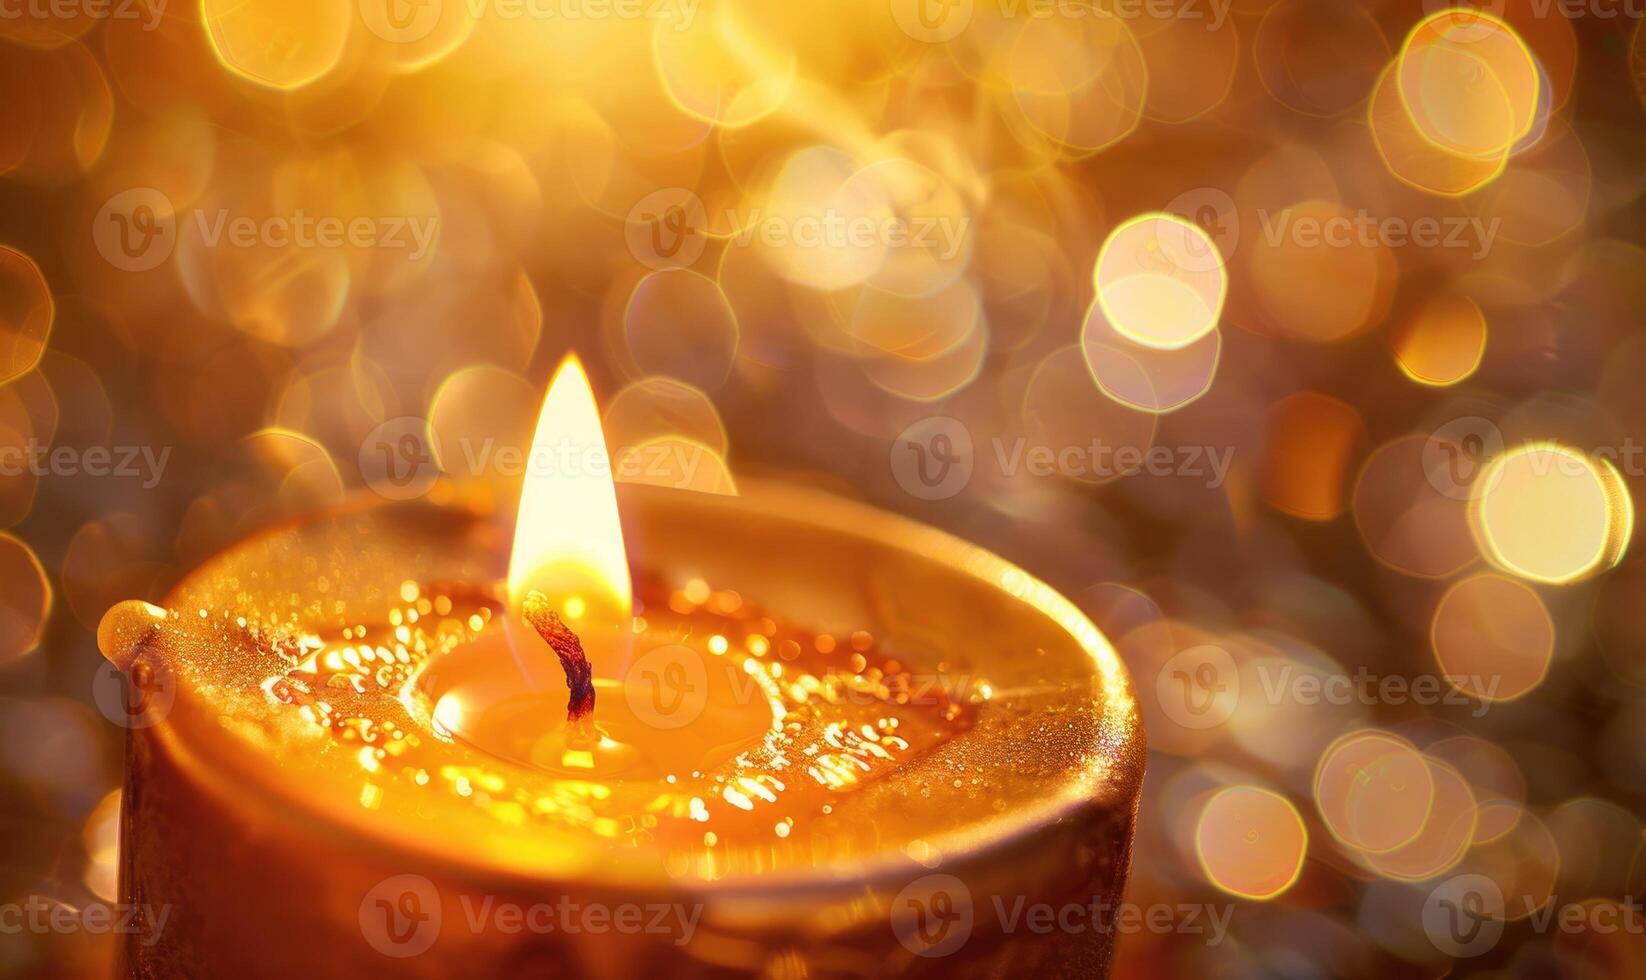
{"x":570,"y":362}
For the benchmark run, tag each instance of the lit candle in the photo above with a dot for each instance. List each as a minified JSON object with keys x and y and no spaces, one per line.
{"x":790,"y":740}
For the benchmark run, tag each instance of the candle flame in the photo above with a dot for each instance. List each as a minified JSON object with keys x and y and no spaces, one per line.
{"x":568,"y":542}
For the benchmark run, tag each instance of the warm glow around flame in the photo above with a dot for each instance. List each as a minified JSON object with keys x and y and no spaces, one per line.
{"x":568,"y":542}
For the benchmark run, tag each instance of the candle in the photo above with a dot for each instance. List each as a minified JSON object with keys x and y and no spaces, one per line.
{"x":792,"y":736}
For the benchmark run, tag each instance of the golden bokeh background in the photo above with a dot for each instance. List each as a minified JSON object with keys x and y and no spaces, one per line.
{"x":1298,"y":340}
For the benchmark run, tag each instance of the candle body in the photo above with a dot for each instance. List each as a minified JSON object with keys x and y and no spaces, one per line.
{"x":275,"y":851}
{"x":248,"y":896}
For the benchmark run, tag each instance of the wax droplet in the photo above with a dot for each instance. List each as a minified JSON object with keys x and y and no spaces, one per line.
{"x":124,"y":627}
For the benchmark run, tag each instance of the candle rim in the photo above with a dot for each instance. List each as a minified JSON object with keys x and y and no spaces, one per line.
{"x":1112,"y":778}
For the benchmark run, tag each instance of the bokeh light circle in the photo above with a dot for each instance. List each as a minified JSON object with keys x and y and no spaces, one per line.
{"x":679,"y":323}
{"x":25,"y":599}
{"x":1161,"y":281}
{"x":1549,"y":513}
{"x":1251,"y":842}
{"x":1468,"y":82}
{"x":26,"y":313}
{"x":1442,"y":341}
{"x":1375,"y":791}
{"x":1492,"y":637}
